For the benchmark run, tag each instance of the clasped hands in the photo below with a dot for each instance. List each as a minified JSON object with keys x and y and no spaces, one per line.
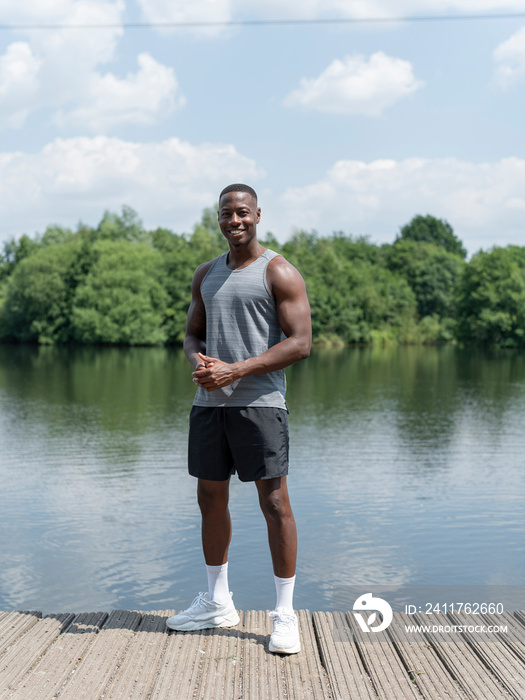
{"x":212,"y":373}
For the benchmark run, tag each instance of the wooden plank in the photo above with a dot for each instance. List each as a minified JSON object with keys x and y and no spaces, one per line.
{"x":304,"y":671}
{"x":494,"y":653}
{"x":267,"y":676}
{"x":132,"y":656}
{"x":520,"y":616}
{"x":262,"y":678}
{"x":182,"y":671}
{"x":425,"y":667}
{"x":389,"y":676}
{"x":139,"y":670}
{"x":19,"y":659}
{"x":101,"y":660}
{"x":14,"y":625}
{"x":57,"y":666}
{"x":220,"y":664}
{"x":457,"y":656}
{"x":340,"y":657}
{"x":514,"y":637}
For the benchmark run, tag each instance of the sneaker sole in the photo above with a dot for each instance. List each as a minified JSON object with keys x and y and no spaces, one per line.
{"x":192,"y":625}
{"x":292,"y":650}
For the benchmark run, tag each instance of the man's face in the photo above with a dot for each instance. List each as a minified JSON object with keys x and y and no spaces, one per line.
{"x":238,"y":217}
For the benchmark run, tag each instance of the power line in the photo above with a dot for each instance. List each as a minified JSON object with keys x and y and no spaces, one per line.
{"x":263,"y":22}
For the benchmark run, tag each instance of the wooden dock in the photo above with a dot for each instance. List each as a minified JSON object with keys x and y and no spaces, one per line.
{"x":129,"y":655}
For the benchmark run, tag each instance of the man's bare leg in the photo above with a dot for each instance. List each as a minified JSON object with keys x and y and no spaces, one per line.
{"x":217,"y":608}
{"x":282,"y":537}
{"x":282,"y":533}
{"x":213,"y":497}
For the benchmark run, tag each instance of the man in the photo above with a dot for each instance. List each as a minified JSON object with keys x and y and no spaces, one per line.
{"x":249,"y":318}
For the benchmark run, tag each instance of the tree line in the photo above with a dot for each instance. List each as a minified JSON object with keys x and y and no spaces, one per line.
{"x":118,"y":283}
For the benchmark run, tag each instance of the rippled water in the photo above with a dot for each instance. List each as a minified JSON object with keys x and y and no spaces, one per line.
{"x":408,"y":467}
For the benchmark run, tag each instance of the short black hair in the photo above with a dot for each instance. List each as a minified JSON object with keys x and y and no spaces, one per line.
{"x":238,"y":187}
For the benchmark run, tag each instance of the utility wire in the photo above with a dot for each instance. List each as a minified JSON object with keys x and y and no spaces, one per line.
{"x":264,"y":22}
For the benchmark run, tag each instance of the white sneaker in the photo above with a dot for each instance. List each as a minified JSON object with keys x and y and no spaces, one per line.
{"x":204,"y":614}
{"x":285,"y":636}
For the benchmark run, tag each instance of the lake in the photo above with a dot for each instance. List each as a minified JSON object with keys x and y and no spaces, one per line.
{"x":407,"y":468}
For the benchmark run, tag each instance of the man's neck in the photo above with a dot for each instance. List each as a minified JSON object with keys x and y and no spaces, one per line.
{"x":242,"y":256}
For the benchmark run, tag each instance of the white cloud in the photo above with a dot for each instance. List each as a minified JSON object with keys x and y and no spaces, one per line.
{"x":183,"y":11}
{"x":357,"y":86}
{"x":58,"y":69}
{"x":226,"y":10}
{"x":19,"y":69}
{"x":510,"y":59}
{"x":87,"y":47}
{"x":483,"y":202}
{"x":15,"y":11}
{"x":168,"y":182}
{"x":141,"y":98}
{"x":404,"y":8}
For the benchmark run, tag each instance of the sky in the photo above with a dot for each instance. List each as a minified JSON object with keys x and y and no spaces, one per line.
{"x":353,"y":127}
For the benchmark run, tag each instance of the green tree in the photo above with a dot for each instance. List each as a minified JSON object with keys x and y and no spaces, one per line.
{"x":356,"y":248}
{"x":432,"y":273}
{"x":180,"y":258}
{"x":491,"y":300}
{"x":39,"y":295}
{"x":350,"y":296}
{"x":14,"y":251}
{"x":121,"y":300}
{"x":518,"y":255}
{"x":268,"y":240}
{"x":210,"y":221}
{"x":126,"y":226}
{"x":428,"y":229}
{"x":55,"y":235}
{"x":207,"y":238}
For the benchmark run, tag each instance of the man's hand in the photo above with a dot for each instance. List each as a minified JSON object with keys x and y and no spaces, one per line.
{"x":212,"y":373}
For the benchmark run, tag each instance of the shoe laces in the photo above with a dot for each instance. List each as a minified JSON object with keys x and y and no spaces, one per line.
{"x":282,"y":621}
{"x":201,"y":601}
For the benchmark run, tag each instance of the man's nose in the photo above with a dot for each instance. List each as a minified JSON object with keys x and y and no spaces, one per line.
{"x":235,"y":219}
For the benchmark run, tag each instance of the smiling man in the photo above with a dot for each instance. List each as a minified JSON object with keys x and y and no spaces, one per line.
{"x":249,"y":318}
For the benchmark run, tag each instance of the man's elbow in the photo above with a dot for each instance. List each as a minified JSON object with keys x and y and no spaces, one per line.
{"x":304,"y":348}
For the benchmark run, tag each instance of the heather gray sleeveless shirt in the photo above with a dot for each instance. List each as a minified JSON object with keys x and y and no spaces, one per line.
{"x":241,"y":322}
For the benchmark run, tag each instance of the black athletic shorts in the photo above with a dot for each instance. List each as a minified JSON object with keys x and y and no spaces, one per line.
{"x":252,"y":441}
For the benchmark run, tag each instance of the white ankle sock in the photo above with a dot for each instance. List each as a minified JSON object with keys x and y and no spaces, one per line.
{"x":218,"y":583}
{"x":284,"y":590}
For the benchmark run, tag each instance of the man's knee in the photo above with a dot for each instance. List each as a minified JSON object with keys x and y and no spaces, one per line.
{"x":212,"y":496}
{"x":274,"y":502}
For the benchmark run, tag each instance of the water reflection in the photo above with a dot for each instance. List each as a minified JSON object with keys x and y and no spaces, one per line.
{"x":407,"y":468}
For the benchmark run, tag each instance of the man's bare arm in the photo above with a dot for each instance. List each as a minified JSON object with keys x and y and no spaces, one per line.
{"x":195,"y":338}
{"x":293,"y":312}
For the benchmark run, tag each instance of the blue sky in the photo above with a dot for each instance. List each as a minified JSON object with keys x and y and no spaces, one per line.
{"x":353,"y":127}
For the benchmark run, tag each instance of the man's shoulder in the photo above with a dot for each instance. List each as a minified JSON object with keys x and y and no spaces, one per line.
{"x":273,"y":256}
{"x":204,"y":268}
{"x":280,"y":271}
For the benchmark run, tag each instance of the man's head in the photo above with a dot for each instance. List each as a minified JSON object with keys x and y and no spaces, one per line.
{"x":238,"y":187}
{"x":238,"y":214}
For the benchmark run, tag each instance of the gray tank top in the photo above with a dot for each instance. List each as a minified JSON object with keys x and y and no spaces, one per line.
{"x":241,"y":322}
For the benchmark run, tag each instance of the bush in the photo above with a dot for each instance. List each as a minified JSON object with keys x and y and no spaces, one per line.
{"x":122,"y":300}
{"x":491,"y":299}
{"x":40,"y":293}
